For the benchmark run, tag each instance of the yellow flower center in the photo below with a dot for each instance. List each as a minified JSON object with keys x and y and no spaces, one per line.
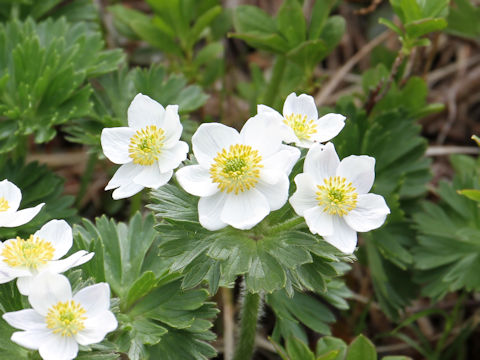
{"x":28,"y":253}
{"x":336,"y":196}
{"x":146,"y":145}
{"x":4,"y":204}
{"x":66,"y":318}
{"x":302,"y":127}
{"x":237,"y":169}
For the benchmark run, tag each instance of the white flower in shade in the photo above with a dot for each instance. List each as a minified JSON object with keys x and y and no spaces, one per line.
{"x":59,"y":321}
{"x":148,"y":149}
{"x":332,"y":196}
{"x":10,"y":197}
{"x":300,"y":123}
{"x":26,"y":259}
{"x":240,"y":177}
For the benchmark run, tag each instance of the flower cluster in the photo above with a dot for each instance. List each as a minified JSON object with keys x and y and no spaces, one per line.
{"x":58,"y":321}
{"x":241,"y":177}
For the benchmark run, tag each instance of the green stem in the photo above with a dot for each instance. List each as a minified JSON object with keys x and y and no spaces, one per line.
{"x":248,"y":327}
{"x":273,"y":86}
{"x":449,"y":325}
{"x":86,"y":178}
{"x":287,"y":225}
{"x":135,"y":203}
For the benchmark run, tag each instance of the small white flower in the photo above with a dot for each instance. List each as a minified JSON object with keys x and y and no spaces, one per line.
{"x":240,"y":177}
{"x":332,"y":196}
{"x":10,"y":197}
{"x":26,"y":259}
{"x":59,"y":321}
{"x":148,"y":149}
{"x":300,"y":123}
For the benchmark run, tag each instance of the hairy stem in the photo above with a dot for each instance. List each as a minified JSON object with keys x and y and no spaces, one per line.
{"x":287,"y":225}
{"x":86,"y":178}
{"x":248,"y":326}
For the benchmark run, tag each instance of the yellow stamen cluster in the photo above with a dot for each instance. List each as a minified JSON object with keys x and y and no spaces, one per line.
{"x":336,"y":196}
{"x":302,"y":127}
{"x":4,"y":204}
{"x":29,"y":253}
{"x":146,"y":145}
{"x":66,"y":318}
{"x":237,"y":169}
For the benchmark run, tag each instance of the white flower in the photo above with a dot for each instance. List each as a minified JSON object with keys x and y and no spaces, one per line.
{"x":148,"y":149}
{"x":240,"y":177}
{"x":59,"y":321}
{"x":300,"y":123}
{"x":10,"y":197}
{"x":332,"y":196}
{"x":26,"y":259}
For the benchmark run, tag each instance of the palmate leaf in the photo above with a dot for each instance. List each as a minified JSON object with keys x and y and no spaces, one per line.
{"x":114,"y":93}
{"x":76,"y":10}
{"x":154,"y":312}
{"x":43,"y":75}
{"x":37,"y":184}
{"x":447,"y":255}
{"x":269,"y":259}
{"x":392,"y":137}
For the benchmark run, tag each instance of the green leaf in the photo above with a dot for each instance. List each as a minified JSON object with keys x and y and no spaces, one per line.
{"x":390,"y":25}
{"x":361,"y":349}
{"x":330,"y":348}
{"x":203,"y":21}
{"x":251,"y":19}
{"x":472,"y":194}
{"x":265,"y":273}
{"x":291,"y":22}
{"x":425,"y":26}
{"x":333,"y":31}
{"x":320,"y":12}
{"x":297,"y":350}
{"x":141,"y":287}
{"x":462,"y":19}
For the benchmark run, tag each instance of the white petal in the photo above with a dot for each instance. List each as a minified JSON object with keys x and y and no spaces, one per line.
{"x":48,"y":290}
{"x":209,"y":210}
{"x":321,"y":162}
{"x":95,"y":299}
{"x":370,"y":213}
{"x":10,"y":192}
{"x":344,"y":238}
{"x":283,"y":160}
{"x":318,"y":221}
{"x":276,"y":119}
{"x":259,"y":133}
{"x":115,"y":142}
{"x":96,"y":328}
{"x":245,"y":210}
{"x":304,"y":197}
{"x":196,"y":180}
{"x":144,"y":111}
{"x":277,"y":194}
{"x":171,"y":125}
{"x":152,"y":177}
{"x":171,"y":158}
{"x":27,"y":319}
{"x":24,"y":283}
{"x":360,"y":170}
{"x":303,"y":104}
{"x":31,"y":339}
{"x":20,"y":217}
{"x":76,"y":259}
{"x":126,"y":191}
{"x":59,"y":234}
{"x":59,"y":348}
{"x":328,"y":126}
{"x":210,"y":139}
{"x":124,"y":175}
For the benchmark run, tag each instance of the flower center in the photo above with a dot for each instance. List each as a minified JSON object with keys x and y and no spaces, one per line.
{"x":28,"y":253}
{"x":146,"y":145}
{"x":237,"y":169}
{"x":4,"y":204}
{"x":336,"y":196}
{"x":66,"y":318}
{"x":302,"y":127}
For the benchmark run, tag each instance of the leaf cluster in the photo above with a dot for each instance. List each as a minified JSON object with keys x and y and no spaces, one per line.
{"x":155,"y":315}
{"x":43,"y":77}
{"x":289,"y":34}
